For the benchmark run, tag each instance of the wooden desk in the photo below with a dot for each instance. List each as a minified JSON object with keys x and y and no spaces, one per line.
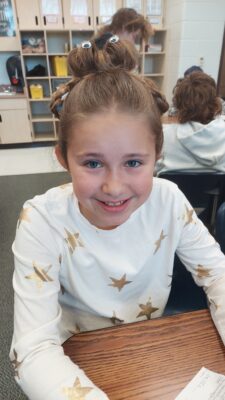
{"x":169,"y":120}
{"x":150,"y":359}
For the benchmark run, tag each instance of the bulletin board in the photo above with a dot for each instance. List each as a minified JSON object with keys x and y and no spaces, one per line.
{"x":7,"y":26}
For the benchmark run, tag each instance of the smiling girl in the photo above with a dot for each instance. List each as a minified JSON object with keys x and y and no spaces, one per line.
{"x":99,"y":251}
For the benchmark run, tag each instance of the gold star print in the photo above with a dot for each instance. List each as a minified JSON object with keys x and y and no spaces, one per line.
{"x":119,"y":283}
{"x":170,"y":276}
{"x":76,"y":330}
{"x":213,"y":303}
{"x":40,"y":275}
{"x":73,"y":241}
{"x":147,"y":310}
{"x":158,"y":242}
{"x":76,"y":392}
{"x":64,"y":186}
{"x":188,"y":215}
{"x":23,"y":216}
{"x":16,"y":364}
{"x":115,"y":320}
{"x":62,"y":289}
{"x":203,"y":272}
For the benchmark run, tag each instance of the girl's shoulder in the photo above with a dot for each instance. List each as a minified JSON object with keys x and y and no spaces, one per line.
{"x":55,"y":201}
{"x":165,"y":206}
{"x":54,"y":195}
{"x":165,"y":194}
{"x":161,"y":185}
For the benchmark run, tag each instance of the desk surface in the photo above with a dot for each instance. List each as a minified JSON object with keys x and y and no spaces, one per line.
{"x":151,"y":359}
{"x":166,"y":119}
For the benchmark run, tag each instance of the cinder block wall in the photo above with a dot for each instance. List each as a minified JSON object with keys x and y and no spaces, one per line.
{"x":194,"y":37}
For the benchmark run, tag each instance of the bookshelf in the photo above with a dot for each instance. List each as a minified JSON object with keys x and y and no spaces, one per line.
{"x":45,"y":34}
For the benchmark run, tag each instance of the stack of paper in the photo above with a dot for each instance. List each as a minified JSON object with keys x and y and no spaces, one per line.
{"x":206,"y":385}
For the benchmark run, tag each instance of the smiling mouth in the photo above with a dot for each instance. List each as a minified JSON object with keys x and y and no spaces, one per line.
{"x":114,"y":203}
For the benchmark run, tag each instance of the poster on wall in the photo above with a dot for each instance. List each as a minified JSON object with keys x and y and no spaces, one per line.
{"x":7,"y":26}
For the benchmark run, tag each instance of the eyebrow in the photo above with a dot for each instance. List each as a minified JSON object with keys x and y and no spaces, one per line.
{"x":132,"y":155}
{"x":89,"y":155}
{"x":100,"y":155}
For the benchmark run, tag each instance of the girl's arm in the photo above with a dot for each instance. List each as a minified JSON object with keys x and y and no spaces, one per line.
{"x":202,"y":256}
{"x":41,"y":368}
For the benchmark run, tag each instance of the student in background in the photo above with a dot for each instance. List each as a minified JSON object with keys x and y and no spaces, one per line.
{"x":128,"y":25}
{"x":193,"y":68}
{"x":197,"y":140}
{"x":99,"y":252}
{"x":172,"y":112}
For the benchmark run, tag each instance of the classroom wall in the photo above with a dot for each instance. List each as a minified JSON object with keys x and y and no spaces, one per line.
{"x":194,"y":37}
{"x":194,"y":31}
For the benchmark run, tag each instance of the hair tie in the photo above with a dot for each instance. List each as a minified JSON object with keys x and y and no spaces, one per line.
{"x":86,"y":45}
{"x":64,"y":96}
{"x":114,"y":39}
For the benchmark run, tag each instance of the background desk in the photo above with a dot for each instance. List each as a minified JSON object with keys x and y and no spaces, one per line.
{"x":166,"y":119}
{"x":150,"y":359}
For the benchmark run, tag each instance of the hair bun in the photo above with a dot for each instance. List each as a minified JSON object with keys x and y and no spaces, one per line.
{"x":102,"y":54}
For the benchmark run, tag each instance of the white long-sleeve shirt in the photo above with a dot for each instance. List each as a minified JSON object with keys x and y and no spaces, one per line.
{"x":71,"y":276}
{"x":193,"y":146}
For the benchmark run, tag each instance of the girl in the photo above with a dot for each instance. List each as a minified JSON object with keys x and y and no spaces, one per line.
{"x":196,"y":141}
{"x":128,"y":25}
{"x":99,"y":251}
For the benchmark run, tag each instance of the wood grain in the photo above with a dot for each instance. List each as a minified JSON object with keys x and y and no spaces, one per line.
{"x":151,"y":359}
{"x":169,"y":120}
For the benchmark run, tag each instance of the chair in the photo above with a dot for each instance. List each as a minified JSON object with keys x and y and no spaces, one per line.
{"x":185,"y":295}
{"x":204,"y":190}
{"x":220,"y":226}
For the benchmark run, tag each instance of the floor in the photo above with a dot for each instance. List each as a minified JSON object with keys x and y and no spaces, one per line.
{"x":29,"y":160}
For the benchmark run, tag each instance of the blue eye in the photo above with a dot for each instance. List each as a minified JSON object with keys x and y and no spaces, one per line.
{"x":133,"y":163}
{"x":93,"y":164}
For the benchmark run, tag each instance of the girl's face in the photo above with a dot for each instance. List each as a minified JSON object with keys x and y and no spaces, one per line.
{"x":111,"y":158}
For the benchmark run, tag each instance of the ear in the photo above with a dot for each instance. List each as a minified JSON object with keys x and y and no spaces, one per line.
{"x":60,"y":157}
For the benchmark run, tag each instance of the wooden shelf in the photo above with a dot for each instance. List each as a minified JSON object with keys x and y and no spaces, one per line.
{"x":33,"y":54}
{"x":44,"y":99}
{"x":41,"y":118}
{"x":60,"y":77}
{"x":29,"y":78}
{"x":44,"y":137}
{"x":57,"y":54}
{"x":153,"y":53}
{"x":57,"y":38}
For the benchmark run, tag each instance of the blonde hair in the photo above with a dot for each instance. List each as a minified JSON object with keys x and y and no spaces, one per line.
{"x":104,"y":79}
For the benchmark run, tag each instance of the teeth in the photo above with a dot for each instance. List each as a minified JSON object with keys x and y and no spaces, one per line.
{"x":111,"y":204}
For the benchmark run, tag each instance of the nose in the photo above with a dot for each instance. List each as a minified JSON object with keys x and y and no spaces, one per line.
{"x":113,"y":185}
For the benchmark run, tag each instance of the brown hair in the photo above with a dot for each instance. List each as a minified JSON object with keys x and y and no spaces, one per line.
{"x":195,"y":98}
{"x":103,"y":80}
{"x":127,"y":19}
